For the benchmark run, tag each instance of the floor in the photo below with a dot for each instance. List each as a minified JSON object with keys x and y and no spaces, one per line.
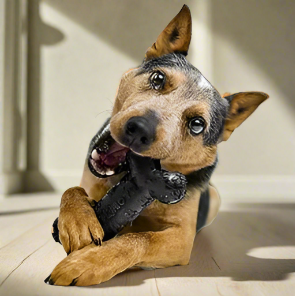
{"x":248,"y":250}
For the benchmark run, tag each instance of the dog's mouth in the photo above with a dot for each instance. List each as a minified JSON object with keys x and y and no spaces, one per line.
{"x":106,"y":157}
{"x":108,"y":160}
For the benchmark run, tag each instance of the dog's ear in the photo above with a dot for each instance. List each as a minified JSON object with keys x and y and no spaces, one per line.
{"x":242,"y":105}
{"x":176,"y":36}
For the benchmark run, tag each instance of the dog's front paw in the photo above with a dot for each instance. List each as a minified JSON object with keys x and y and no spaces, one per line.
{"x":82,"y":268}
{"x":77,"y":223}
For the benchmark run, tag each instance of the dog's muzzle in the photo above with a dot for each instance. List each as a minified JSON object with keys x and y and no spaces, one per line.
{"x":139,"y":133}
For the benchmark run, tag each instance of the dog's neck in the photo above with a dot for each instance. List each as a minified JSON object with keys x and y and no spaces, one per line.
{"x":200,"y":178}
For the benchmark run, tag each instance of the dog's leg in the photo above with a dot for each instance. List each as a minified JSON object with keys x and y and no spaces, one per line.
{"x":78,"y":225}
{"x":214,"y":204}
{"x":93,"y":265}
{"x":209,"y":207}
{"x":96,"y":188}
{"x":170,"y":243}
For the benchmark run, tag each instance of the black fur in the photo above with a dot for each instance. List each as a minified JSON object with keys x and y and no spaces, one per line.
{"x":218,"y":114}
{"x":203,"y":209}
{"x":174,"y":35}
{"x":230,"y":97}
{"x":172,"y":60}
{"x":199,"y":179}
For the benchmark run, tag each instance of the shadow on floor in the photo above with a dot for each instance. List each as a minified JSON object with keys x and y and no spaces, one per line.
{"x":220,"y":250}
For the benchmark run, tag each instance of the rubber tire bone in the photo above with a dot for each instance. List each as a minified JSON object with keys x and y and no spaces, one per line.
{"x":143,"y":183}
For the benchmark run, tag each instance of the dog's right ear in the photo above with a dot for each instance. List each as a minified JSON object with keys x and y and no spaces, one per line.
{"x":176,"y":36}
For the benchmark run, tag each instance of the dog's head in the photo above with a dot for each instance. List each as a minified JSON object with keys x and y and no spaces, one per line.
{"x":166,"y":109}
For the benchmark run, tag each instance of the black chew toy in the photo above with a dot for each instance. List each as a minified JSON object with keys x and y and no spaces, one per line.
{"x":144,"y":182}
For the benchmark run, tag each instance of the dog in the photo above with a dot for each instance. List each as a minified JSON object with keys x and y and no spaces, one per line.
{"x":164,"y":109}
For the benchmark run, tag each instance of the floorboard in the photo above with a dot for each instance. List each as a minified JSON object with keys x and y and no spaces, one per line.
{"x":248,"y":250}
{"x":14,"y":225}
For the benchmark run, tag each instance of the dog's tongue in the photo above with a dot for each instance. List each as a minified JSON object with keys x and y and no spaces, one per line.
{"x":109,"y":161}
{"x":115,"y":155}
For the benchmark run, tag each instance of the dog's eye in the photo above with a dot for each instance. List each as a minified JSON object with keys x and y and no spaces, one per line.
{"x":157,"y":80}
{"x":196,"y":125}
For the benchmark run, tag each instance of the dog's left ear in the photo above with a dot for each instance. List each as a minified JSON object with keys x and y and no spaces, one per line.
{"x":242,"y":105}
{"x":176,"y":36}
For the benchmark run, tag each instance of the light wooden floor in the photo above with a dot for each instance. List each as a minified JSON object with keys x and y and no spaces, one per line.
{"x":248,"y":250}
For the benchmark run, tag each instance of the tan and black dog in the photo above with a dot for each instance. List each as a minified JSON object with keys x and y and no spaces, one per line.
{"x":164,"y":109}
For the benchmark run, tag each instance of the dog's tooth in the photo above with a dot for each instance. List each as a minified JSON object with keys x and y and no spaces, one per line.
{"x":95,"y":155}
{"x":110,"y":173}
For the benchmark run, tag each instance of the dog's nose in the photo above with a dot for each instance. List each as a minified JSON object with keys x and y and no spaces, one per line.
{"x":139,"y":133}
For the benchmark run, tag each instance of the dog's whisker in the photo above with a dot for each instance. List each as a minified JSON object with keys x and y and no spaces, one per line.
{"x":109,"y":111}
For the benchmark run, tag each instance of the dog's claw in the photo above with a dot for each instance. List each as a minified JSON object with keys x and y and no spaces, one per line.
{"x":49,"y":281}
{"x":97,"y":242}
{"x":74,"y":281}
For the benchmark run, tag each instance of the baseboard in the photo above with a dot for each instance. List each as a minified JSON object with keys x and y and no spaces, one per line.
{"x":36,"y":181}
{"x":266,"y":188}
{"x":11,"y":183}
{"x":58,"y":181}
{"x":232,"y":188}
{"x":241,"y":188}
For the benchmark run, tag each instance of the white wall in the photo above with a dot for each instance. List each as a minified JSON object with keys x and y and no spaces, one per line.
{"x":2,"y":39}
{"x":79,"y":50}
{"x":253,"y":49}
{"x":13,"y":62}
{"x":73,"y":82}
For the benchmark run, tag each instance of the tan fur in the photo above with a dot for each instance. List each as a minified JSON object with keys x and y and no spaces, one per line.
{"x":214,"y":204}
{"x":226,"y":94}
{"x":183,"y":24}
{"x":97,"y":187}
{"x":242,"y":106}
{"x":175,"y":152}
{"x":162,"y":235}
{"x":77,"y":224}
